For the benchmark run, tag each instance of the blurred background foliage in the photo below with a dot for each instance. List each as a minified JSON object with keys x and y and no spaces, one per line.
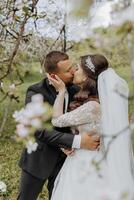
{"x":21,"y":56}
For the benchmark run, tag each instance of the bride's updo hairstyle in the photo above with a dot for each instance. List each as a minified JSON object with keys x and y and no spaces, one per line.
{"x":92,"y":66}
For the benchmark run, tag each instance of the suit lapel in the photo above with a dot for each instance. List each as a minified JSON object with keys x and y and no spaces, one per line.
{"x":72,"y":90}
{"x":49,"y":92}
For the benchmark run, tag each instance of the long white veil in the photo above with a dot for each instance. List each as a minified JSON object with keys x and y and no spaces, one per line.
{"x":113,"y":95}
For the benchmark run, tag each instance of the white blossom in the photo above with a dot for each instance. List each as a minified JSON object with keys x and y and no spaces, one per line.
{"x":35,"y":109}
{"x":29,"y":111}
{"x":36,"y":123}
{"x":124,"y":15}
{"x":37,"y":97}
{"x":22,"y":131}
{"x":18,"y":115}
{"x":12,"y":86}
{"x":3,"y":187}
{"x":30,"y":119}
{"x":1,"y":84}
{"x":31,"y":146}
{"x":25,"y":121}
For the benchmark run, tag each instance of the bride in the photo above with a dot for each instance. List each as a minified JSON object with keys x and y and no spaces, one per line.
{"x":101,"y":105}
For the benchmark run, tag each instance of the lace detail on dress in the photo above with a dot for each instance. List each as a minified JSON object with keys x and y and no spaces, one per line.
{"x":88,"y":113}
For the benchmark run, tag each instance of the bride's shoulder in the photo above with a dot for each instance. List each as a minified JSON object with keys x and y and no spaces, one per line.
{"x":93,"y":105}
{"x":89,"y":106}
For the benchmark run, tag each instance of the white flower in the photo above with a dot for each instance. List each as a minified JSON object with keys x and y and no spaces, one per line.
{"x":39,"y":109}
{"x":25,"y":121}
{"x":12,"y":86}
{"x":36,"y":123}
{"x":1,"y":84}
{"x":29,"y":119}
{"x":37,"y":98}
{"x":18,"y":115}
{"x":29,"y":111}
{"x":3,"y":187}
{"x":31,"y":146}
{"x":22,"y":131}
{"x":35,"y":109}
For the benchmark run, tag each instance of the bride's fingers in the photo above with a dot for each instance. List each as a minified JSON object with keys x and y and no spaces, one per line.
{"x":58,"y":78}
{"x":68,"y":152}
{"x":72,"y":153}
{"x":53,"y":80}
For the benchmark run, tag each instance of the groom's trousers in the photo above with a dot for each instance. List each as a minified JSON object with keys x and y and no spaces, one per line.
{"x":31,"y":186}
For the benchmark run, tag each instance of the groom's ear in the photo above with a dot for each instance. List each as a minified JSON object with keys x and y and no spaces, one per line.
{"x":58,"y":63}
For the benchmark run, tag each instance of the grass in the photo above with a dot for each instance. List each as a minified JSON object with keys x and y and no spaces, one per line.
{"x":10,"y":150}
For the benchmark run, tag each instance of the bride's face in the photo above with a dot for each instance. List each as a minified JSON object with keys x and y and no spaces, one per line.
{"x":79,"y":76}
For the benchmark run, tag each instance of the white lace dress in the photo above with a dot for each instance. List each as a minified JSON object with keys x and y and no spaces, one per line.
{"x":79,"y":179}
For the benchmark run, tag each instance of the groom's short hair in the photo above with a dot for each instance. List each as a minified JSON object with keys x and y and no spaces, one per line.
{"x":52,"y":59}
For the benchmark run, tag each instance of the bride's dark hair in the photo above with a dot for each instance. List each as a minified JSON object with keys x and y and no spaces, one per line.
{"x":89,"y":90}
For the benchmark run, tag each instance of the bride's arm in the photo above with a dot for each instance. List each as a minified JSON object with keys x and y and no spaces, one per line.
{"x":59,"y":101}
{"x":58,"y":104}
{"x":81,"y":115}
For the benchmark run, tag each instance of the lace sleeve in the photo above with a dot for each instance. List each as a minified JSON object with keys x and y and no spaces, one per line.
{"x":82,"y":115}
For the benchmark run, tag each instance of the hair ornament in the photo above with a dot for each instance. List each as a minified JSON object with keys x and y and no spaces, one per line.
{"x":89,"y":64}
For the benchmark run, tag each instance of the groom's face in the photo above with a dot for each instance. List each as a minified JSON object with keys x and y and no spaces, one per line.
{"x":66,"y":71}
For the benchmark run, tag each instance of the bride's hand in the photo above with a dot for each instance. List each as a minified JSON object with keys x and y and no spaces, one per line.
{"x":68,"y":152}
{"x":57,"y":83}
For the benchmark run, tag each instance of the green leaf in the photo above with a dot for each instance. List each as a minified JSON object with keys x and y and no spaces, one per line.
{"x":25,"y":9}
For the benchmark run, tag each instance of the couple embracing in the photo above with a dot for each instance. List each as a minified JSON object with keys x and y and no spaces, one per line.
{"x":90,"y":126}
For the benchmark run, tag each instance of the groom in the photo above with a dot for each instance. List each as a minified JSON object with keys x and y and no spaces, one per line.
{"x":45,"y":163}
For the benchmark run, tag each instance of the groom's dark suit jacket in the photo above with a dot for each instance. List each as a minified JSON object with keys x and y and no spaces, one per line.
{"x":42,"y":162}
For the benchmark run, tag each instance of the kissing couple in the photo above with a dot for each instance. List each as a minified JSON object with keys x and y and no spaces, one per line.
{"x":90,"y":126}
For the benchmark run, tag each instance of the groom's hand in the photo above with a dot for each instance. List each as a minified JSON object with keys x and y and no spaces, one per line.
{"x":90,"y":141}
